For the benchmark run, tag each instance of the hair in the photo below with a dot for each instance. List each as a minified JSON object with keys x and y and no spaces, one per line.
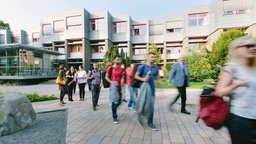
{"x":237,"y":43}
{"x":81,"y":66}
{"x":117,"y":56}
{"x":151,"y":53}
{"x":61,"y":67}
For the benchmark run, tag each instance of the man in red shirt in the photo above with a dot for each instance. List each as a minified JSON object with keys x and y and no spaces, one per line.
{"x":133,"y":91}
{"x":114,"y":74}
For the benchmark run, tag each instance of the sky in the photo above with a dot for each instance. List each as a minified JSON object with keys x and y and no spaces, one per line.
{"x":27,"y":14}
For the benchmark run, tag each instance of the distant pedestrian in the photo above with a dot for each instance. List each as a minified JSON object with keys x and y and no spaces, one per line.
{"x":96,"y":84}
{"x":70,"y":82}
{"x":242,"y":63}
{"x":113,"y":76}
{"x":123,"y":83}
{"x":62,"y":87}
{"x":133,"y":91}
{"x":147,"y":73}
{"x":82,"y":79}
{"x":179,"y":72}
{"x":76,"y":80}
{"x":89,"y":82}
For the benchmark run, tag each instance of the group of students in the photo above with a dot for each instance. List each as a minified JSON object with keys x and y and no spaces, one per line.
{"x":242,"y":121}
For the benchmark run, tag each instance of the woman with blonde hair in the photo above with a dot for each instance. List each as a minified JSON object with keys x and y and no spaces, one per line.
{"x":242,"y":120}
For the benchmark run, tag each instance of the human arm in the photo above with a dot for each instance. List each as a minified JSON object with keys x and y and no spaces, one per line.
{"x":225,"y":87}
{"x":172,"y":74}
{"x":108,"y":73}
{"x":139,"y":73}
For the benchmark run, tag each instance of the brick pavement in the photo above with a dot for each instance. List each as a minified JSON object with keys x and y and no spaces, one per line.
{"x":86,"y":126}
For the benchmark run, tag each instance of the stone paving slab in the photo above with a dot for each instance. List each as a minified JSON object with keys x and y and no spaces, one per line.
{"x":96,"y":127}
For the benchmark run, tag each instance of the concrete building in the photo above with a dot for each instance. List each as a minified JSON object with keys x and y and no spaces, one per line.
{"x":84,"y":37}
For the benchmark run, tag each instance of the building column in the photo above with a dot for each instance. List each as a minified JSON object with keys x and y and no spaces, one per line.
{"x":87,"y":54}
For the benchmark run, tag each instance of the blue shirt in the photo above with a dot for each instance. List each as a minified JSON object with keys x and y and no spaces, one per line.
{"x":143,"y":70}
{"x":96,"y":80}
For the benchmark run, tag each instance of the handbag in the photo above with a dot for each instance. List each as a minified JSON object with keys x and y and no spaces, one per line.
{"x":59,"y":81}
{"x":214,"y":111}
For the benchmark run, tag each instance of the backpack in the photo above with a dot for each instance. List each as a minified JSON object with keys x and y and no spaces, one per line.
{"x":214,"y":111}
{"x":106,"y":84}
{"x":135,"y":82}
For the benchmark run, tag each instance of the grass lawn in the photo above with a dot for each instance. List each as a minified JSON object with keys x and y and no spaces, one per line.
{"x":196,"y":85}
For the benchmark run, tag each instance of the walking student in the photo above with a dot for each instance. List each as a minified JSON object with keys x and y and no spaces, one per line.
{"x":62,"y":87}
{"x":133,"y":91}
{"x":82,"y":79}
{"x":96,"y":84}
{"x":70,"y":82}
{"x":113,"y":76}
{"x":241,"y":89}
{"x":179,"y":72}
{"x":141,"y":74}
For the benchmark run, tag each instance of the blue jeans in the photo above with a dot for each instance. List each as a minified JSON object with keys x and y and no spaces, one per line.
{"x":242,"y":130}
{"x":133,"y":91}
{"x":151,"y":114}
{"x":95,"y":94}
{"x":114,"y":105}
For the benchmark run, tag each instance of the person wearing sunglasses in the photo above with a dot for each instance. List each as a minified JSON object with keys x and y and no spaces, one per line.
{"x":241,"y":88}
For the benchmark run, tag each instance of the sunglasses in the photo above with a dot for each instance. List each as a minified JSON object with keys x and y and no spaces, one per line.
{"x":248,"y":46}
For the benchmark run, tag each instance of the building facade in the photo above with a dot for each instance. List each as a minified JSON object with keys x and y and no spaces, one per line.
{"x":85,"y":37}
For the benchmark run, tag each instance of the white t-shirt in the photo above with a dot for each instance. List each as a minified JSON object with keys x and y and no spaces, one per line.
{"x":82,"y":77}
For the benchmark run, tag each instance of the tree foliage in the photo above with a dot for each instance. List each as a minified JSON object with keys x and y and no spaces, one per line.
{"x":4,"y":26}
{"x":109,"y":58}
{"x":220,"y":50}
{"x":199,"y":66}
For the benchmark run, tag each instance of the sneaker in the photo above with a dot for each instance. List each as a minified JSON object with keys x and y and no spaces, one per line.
{"x":97,"y":105}
{"x":152,"y":127}
{"x":94,"y":108}
{"x":130,"y":108}
{"x":124,"y":100}
{"x":61,"y":104}
{"x":115,"y":121}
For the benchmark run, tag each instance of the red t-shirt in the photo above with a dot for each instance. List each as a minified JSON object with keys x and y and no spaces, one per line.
{"x":129,"y":75}
{"x":116,"y":74}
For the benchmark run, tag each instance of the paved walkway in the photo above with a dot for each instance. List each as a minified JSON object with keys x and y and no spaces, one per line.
{"x":86,"y":126}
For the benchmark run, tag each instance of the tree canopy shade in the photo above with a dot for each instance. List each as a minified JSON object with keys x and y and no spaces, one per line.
{"x":4,"y":26}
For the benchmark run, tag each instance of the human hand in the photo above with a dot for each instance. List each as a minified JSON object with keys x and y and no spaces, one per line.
{"x":243,"y":83}
{"x":146,"y":79}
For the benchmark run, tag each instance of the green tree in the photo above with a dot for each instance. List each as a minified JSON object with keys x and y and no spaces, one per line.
{"x":109,"y":58}
{"x":153,"y":48}
{"x":4,"y":26}
{"x":220,"y":50}
{"x":199,"y":66}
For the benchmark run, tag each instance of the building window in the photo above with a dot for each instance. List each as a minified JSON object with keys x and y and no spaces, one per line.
{"x":2,"y":39}
{"x":75,"y":48}
{"x":119,"y":27}
{"x":174,"y":30}
{"x":140,"y":51}
{"x":156,"y":29}
{"x":196,"y":47}
{"x":234,"y":12}
{"x":74,"y":22}
{"x":58,"y":26}
{"x":139,"y":29}
{"x":47,"y":29}
{"x":97,"y":24}
{"x":35,"y":37}
{"x":197,"y":19}
{"x":98,"y":49}
{"x":173,"y":50}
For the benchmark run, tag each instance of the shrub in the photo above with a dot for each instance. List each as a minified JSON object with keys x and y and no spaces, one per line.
{"x":35,"y":97}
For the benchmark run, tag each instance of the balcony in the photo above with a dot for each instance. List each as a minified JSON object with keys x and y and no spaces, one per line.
{"x":138,"y":57}
{"x":76,"y":55}
{"x":173,"y":55}
{"x":99,"y":55}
